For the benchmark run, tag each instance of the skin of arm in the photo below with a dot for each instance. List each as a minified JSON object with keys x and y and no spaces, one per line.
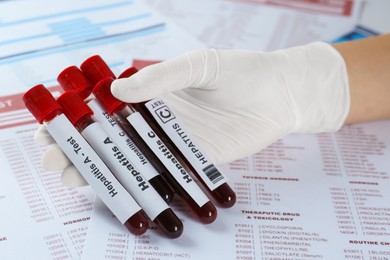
{"x":368,"y":67}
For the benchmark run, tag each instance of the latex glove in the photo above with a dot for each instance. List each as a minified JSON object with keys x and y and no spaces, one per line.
{"x":238,"y":102}
{"x":53,"y":159}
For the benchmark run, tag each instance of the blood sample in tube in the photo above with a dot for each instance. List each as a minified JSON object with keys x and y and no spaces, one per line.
{"x":133,"y":123}
{"x":72,"y":78}
{"x":172,"y":132}
{"x":80,"y":115}
{"x":46,"y":110}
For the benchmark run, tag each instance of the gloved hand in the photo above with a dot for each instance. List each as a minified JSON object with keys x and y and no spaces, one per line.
{"x":238,"y":102}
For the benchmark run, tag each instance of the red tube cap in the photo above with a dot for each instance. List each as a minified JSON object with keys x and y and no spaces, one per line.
{"x":73,"y":106}
{"x":73,"y":78}
{"x":102,"y":92}
{"x":128,"y":72}
{"x":40,"y":102}
{"x":96,"y":69}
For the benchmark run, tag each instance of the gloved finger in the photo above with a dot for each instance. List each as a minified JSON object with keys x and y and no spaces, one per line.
{"x":223,"y":137}
{"x":42,"y":136}
{"x":54,"y":159}
{"x":194,"y":69}
{"x":71,"y":177}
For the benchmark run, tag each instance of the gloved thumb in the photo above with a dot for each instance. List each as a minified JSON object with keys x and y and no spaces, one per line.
{"x":193,"y":69}
{"x":71,"y":177}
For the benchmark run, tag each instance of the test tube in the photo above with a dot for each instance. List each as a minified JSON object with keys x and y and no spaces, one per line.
{"x":46,"y":110}
{"x":72,"y":78}
{"x":172,"y":132}
{"x":136,"y":126}
{"x":80,"y":115}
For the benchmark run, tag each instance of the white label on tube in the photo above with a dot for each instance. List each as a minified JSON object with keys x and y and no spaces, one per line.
{"x":94,"y":171}
{"x":134,"y":182}
{"x":167,"y":158}
{"x":123,"y":140}
{"x":186,"y":143}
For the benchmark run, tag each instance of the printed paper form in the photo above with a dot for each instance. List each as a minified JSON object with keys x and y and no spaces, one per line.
{"x":337,"y":7}
{"x":322,"y":196}
{"x":62,"y":24}
{"x":261,"y":25}
{"x":122,"y":30}
{"x":40,"y":218}
{"x":43,"y":68}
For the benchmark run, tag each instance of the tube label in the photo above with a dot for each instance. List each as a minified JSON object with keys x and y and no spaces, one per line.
{"x":92,"y":168}
{"x":167,"y":158}
{"x":134,"y":182}
{"x":123,"y":141}
{"x":186,"y":143}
